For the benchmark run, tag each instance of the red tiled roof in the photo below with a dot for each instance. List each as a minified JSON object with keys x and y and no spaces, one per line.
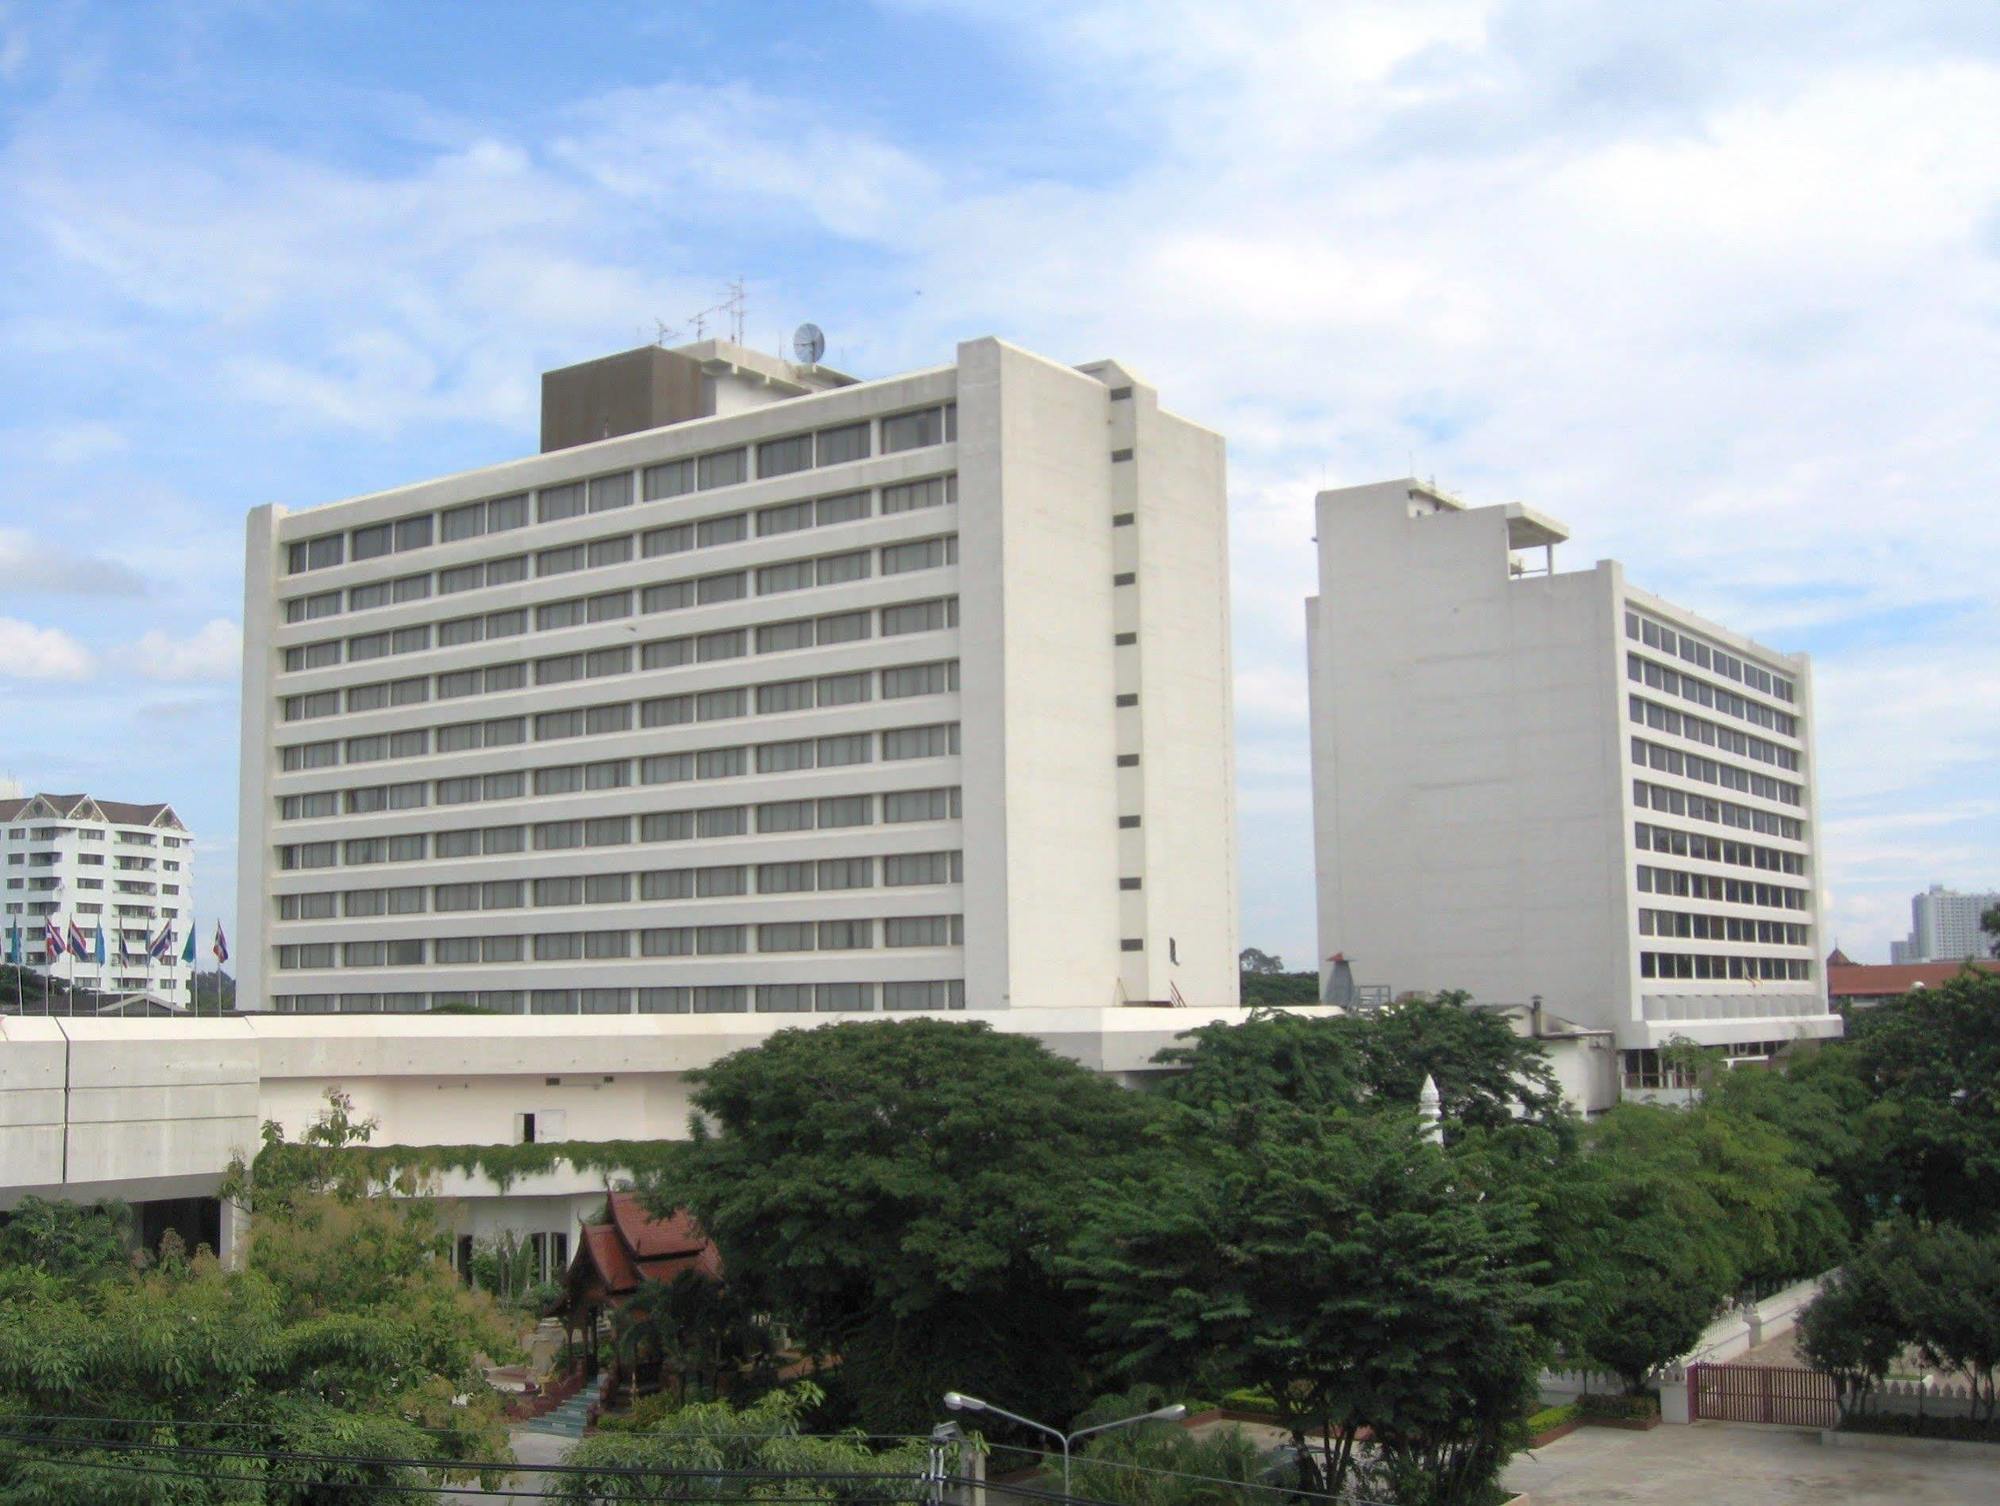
{"x":1875,"y":980}
{"x":649,"y":1238}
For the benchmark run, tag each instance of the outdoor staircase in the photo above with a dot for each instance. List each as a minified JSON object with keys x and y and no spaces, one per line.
{"x":566,"y":1421}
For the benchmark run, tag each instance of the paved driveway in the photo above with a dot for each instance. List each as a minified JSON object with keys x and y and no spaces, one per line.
{"x":1740,"y":1464}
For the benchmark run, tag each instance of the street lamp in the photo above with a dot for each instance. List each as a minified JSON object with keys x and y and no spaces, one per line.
{"x":959,"y":1402}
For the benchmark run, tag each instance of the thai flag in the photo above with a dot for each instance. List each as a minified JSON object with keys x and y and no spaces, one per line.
{"x":221,"y":947}
{"x":52,"y":941}
{"x":78,"y":947}
{"x":163,"y":944}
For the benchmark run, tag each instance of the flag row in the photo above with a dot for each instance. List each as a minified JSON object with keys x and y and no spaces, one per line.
{"x":70,"y":941}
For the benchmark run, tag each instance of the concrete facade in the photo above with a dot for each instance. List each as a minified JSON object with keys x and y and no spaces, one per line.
{"x":1529,"y":783}
{"x":910,"y":693}
{"x":126,"y":867}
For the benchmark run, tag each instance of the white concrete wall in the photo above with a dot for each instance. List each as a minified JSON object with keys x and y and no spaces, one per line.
{"x":1466,"y":763}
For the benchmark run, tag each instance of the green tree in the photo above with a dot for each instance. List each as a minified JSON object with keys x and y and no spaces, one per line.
{"x":1683,"y":1209}
{"x":1250,"y":960}
{"x":1486,"y":1075}
{"x":82,"y":1241}
{"x":1163,"y":1464}
{"x":1335,"y":1263}
{"x":1946,"y":1293}
{"x":1813,"y":1096}
{"x":1852,"y":1330}
{"x":898,"y":1191}
{"x":682,"y":1454}
{"x":1930,"y":1063}
{"x":1989,"y":923}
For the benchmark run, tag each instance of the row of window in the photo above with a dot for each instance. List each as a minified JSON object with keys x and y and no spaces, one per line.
{"x":898,"y":806}
{"x":1698,"y":927}
{"x":1708,"y":771}
{"x":1700,"y":729}
{"x":1684,"y":885}
{"x":617,"y":549}
{"x":898,"y":871}
{"x":725,"y":998}
{"x":1716,"y":812}
{"x":771,"y":938}
{"x":1667,"y":641}
{"x":610,"y":606}
{"x":1735,"y":969}
{"x":773,"y":697}
{"x":1702,"y":692}
{"x":91,"y":834}
{"x":1693,"y":844}
{"x":898,"y":744}
{"x":673,"y":478}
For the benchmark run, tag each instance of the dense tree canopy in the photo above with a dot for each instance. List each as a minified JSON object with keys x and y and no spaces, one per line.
{"x":1334,"y":1262}
{"x":1486,"y":1075}
{"x":899,"y":1191}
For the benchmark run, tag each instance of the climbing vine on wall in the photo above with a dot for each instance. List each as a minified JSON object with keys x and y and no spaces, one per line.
{"x":401,"y":1167}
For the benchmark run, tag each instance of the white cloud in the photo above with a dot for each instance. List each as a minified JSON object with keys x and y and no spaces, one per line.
{"x":48,"y":562}
{"x":28,"y":652}
{"x":213,"y":651}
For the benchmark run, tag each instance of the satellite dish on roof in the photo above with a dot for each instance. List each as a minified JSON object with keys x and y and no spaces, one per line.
{"x":808,"y":344}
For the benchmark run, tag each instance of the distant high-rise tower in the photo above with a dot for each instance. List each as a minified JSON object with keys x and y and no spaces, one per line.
{"x":1944,"y":927}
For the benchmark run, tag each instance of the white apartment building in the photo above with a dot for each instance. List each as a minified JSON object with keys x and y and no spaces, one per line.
{"x":1530,"y":784}
{"x":128,"y":868}
{"x":1944,"y":927}
{"x":783,"y":692}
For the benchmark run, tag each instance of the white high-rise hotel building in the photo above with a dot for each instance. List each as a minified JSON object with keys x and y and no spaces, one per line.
{"x":760,"y":689}
{"x":1529,"y":783}
{"x":126,"y":867}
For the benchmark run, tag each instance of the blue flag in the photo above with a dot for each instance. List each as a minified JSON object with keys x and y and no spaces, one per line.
{"x":187,"y":952}
{"x":14,"y":942}
{"x":99,"y":946}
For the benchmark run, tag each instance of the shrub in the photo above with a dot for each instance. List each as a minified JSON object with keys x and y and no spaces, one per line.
{"x":1963,"y":1429}
{"x":1550,"y":1418}
{"x":1618,"y":1408}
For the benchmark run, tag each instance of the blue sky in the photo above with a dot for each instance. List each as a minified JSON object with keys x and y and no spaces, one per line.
{"x":1717,"y":284}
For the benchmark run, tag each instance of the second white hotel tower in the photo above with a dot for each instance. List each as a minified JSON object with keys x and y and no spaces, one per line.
{"x":1530,"y":783}
{"x":760,"y":689}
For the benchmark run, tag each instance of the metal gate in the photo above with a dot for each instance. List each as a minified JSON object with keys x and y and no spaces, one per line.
{"x":1756,"y":1393}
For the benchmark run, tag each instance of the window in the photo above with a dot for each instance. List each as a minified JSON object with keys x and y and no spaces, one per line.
{"x":560,"y":561}
{"x":788,"y":936}
{"x":846,"y":935}
{"x":785,"y":815}
{"x":508,"y":571}
{"x":837,"y":569}
{"x":920,"y":805}
{"x":501,"y":677}
{"x":607,"y":889}
{"x":720,"y":941}
{"x":311,"y":756}
{"x":607,"y":492}
{"x":793,"y":575}
{"x":605,"y":552}
{"x":843,"y":690}
{"x":784,"y":878}
{"x":666,"y":711}
{"x":315,"y":554}
{"x":787,"y":519}
{"x":551,"y":836}
{"x":724,"y":468}
{"x":411,"y":640}
{"x":667,"y":883}
{"x":724,"y":821}
{"x":669,"y":596}
{"x":367,"y":646}
{"x":675,"y":540}
{"x":733,"y":644}
{"x":565,"y":779}
{"x":665,"y":1000}
{"x":920,"y":742}
{"x":732,"y":586}
{"x":461,"y":630}
{"x":720,"y":763}
{"x":553,"y":503}
{"x":550,"y":725}
{"x":920,"y":554}
{"x":846,"y":810}
{"x":467,"y":522}
{"x":313,"y":655}
{"x":601,"y":662}
{"x":607,"y":831}
{"x":779,"y":637}
{"x":914,"y":617}
{"x":612,"y":774}
{"x":602,"y":719}
{"x":457,"y":844}
{"x":312,"y":608}
{"x":674,"y":478}
{"x":564,"y":946}
{"x":842,"y":627}
{"x":838,"y":446}
{"x":671,"y":941}
{"x":909,"y":868}
{"x":719,"y":705}
{"x":923,"y":930}
{"x":943,"y":994}
{"x":919,"y":679}
{"x":846,"y":873}
{"x":912,"y":431}
{"x":731,"y":528}
{"x":783,"y":998}
{"x":711,"y":883}
{"x":780,"y":457}
{"x":666,"y":768}
{"x":836,"y":752}
{"x":847,"y":507}
{"x":504,"y":513}
{"x":667,"y":653}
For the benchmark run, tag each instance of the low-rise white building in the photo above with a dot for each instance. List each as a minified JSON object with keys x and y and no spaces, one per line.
{"x":1555,"y":786}
{"x":761,"y":690}
{"x":127,"y":868}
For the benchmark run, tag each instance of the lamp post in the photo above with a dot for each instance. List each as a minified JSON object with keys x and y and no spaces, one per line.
{"x":958,"y":1402}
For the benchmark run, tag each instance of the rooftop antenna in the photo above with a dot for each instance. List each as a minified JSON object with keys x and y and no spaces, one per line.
{"x":661,"y":329}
